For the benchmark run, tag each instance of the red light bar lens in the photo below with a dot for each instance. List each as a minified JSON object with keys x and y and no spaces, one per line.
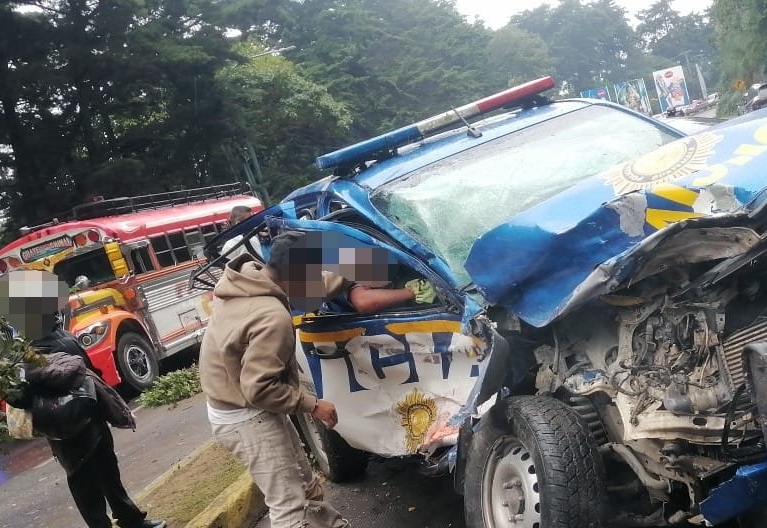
{"x":514,"y":94}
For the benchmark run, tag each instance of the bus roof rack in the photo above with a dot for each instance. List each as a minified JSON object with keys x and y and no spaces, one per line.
{"x":119,"y":206}
{"x":133,"y":204}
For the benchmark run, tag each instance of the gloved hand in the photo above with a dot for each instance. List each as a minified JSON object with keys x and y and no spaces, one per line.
{"x":422,"y":289}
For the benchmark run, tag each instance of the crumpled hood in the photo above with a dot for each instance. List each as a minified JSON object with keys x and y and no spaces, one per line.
{"x":244,"y":277}
{"x":535,"y":263}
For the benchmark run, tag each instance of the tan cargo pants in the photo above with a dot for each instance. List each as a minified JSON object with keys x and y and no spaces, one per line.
{"x":270,"y":448}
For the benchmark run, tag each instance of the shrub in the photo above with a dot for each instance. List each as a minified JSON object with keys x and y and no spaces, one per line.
{"x":172,"y":388}
{"x":4,"y":436}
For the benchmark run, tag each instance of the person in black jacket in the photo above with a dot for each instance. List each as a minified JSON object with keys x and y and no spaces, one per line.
{"x":88,"y":457}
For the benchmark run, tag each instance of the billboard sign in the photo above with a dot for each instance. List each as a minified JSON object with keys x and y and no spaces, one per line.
{"x":671,"y":87}
{"x":633,"y":94}
{"x":600,"y":92}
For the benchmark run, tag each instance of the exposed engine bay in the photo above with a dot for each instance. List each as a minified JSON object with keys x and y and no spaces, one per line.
{"x":657,"y":370}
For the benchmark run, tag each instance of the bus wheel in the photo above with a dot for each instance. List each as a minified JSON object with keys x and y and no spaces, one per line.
{"x":334,"y":457}
{"x":533,"y":464}
{"x":136,"y":361}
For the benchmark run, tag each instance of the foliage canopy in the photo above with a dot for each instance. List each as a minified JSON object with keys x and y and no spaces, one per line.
{"x":121,"y":97}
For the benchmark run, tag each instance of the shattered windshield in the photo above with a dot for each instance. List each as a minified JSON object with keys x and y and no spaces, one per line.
{"x":448,"y":204}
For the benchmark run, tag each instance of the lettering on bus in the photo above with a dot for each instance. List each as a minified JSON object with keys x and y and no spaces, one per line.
{"x":47,"y":248}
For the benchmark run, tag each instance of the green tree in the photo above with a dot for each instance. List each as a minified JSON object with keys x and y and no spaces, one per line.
{"x":32,"y":132}
{"x":657,"y":29}
{"x":517,"y":56}
{"x":391,"y":61}
{"x":287,"y":119}
{"x":122,"y":97}
{"x":104,"y":101}
{"x":591,"y":44}
{"x":740,"y":27}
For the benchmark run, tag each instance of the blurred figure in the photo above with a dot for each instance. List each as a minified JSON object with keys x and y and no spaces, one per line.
{"x":249,"y":374}
{"x":237,"y":215}
{"x":31,"y":301}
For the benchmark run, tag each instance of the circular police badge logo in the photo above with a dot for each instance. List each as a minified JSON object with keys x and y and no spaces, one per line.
{"x":663,"y":165}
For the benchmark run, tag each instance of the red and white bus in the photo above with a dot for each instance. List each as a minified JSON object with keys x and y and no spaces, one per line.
{"x":127,"y":262}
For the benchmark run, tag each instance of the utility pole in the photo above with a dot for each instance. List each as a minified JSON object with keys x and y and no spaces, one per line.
{"x":688,"y":70}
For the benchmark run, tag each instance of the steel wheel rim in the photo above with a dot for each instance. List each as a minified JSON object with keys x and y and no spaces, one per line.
{"x":510,"y":495}
{"x":138,"y":362}
{"x":314,"y":438}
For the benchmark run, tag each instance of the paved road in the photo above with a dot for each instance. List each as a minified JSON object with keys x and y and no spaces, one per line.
{"x":393,"y":494}
{"x":34,"y":493}
{"x":33,"y":487}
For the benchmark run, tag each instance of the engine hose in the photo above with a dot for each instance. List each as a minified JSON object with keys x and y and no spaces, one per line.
{"x":741,"y":453}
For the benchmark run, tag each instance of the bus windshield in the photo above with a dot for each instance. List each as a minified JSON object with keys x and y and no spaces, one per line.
{"x":93,"y":264}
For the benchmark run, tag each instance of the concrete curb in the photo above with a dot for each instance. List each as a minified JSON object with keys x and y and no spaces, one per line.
{"x":239,"y":504}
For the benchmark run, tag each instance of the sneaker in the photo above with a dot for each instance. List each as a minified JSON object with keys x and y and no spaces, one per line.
{"x":153,"y":524}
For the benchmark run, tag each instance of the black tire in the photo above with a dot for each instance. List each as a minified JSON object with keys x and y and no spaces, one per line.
{"x":136,"y":361}
{"x":335,"y":458}
{"x":533,"y":463}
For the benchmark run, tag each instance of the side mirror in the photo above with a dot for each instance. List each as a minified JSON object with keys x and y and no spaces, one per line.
{"x":81,"y":282}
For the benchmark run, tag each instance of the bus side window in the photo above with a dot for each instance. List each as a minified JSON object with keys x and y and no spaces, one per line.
{"x":209,"y":232}
{"x":180,"y":249}
{"x":141,"y":260}
{"x":195,"y":241}
{"x":162,"y":251}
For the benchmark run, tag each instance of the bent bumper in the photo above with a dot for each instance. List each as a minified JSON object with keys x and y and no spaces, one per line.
{"x":739,"y":495}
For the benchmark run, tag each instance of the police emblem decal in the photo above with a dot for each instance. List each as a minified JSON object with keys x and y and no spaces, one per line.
{"x":663,"y":165}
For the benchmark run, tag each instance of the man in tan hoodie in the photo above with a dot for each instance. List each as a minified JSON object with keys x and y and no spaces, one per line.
{"x":248,"y":372}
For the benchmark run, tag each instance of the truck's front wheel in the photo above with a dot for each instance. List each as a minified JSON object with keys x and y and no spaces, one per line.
{"x":533,"y":464}
{"x":334,"y":457}
{"x":136,"y":361}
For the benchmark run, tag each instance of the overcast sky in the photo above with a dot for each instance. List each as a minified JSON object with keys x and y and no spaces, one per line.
{"x":496,"y":13}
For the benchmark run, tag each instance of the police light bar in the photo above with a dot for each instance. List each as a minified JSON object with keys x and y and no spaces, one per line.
{"x":402,"y":136}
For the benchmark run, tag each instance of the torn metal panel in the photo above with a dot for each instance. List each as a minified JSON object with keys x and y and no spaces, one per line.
{"x":742,"y":493}
{"x":405,"y":378}
{"x":583,"y":242}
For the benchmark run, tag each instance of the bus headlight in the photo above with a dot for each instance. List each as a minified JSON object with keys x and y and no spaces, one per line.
{"x":93,"y":334}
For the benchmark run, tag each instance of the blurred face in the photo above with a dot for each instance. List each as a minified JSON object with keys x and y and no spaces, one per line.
{"x":368,"y":266}
{"x":29,"y":300}
{"x":237,"y":217}
{"x":301,"y":278}
{"x":316,"y":252}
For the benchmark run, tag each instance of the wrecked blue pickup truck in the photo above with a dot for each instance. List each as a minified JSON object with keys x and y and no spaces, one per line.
{"x":596,"y":353}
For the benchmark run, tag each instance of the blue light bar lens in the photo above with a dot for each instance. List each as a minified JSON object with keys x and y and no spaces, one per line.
{"x":361,"y":151}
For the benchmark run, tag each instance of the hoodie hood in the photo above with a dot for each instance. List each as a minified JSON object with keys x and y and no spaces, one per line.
{"x":245,"y":277}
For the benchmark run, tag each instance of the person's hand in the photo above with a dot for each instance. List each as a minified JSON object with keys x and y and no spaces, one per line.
{"x":326,"y":412}
{"x":423,"y":290}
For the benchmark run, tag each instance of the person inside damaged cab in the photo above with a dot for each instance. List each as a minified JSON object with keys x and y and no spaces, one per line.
{"x":332,"y":276}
